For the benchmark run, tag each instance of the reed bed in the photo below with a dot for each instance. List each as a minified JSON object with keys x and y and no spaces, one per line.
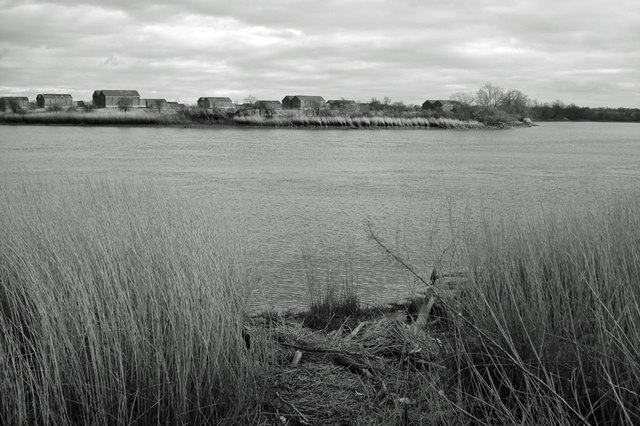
{"x":120,"y":305}
{"x":549,"y":325}
{"x":357,"y":122}
{"x":95,"y":117}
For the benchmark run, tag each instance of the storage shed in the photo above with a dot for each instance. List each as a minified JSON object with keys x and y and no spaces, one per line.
{"x":211,"y":102}
{"x":304,"y":103}
{"x":11,"y":103}
{"x":440,"y":105}
{"x":343,"y":106}
{"x":116,"y":98}
{"x":54,"y":99}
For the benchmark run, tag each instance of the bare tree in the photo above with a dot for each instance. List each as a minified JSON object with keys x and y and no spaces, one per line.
{"x":465,"y":98}
{"x":490,"y":95}
{"x":250,"y":99}
{"x":515,"y":102}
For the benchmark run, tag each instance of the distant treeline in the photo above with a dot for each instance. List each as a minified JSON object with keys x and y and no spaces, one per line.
{"x":495,"y":104}
{"x":559,"y":111}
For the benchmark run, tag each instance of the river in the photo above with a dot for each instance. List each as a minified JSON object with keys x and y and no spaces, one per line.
{"x":304,"y":196}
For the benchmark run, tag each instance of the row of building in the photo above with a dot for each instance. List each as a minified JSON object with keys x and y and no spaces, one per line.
{"x":315,"y":103}
{"x":131,"y":99}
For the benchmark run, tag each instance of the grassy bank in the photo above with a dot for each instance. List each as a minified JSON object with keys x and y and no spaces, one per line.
{"x":95,"y":118}
{"x":202,"y":117}
{"x":357,"y":122}
{"x":120,"y":305}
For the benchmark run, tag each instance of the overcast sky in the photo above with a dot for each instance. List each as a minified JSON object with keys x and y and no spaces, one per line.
{"x":581,"y":51}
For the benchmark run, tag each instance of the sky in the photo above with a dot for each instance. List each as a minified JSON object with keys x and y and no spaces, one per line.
{"x":585,"y":52}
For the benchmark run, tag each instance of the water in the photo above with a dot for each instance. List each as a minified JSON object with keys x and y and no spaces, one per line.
{"x":304,"y":197}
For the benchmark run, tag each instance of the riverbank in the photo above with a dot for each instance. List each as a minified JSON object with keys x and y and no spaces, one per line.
{"x":177,"y":119}
{"x":125,"y":304}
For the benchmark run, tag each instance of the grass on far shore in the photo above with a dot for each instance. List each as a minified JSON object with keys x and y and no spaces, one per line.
{"x":357,"y":122}
{"x":135,"y":116}
{"x":140,"y":116}
{"x":120,"y":305}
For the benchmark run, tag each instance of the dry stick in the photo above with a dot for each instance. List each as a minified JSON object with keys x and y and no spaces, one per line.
{"x":396,"y":257}
{"x":328,"y":351}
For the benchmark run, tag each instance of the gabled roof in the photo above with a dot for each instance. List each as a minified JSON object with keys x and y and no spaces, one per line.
{"x":309,"y":98}
{"x":342,"y":102}
{"x":55,"y":95}
{"x":215,"y":99}
{"x":272,"y":104}
{"x":118,"y":92}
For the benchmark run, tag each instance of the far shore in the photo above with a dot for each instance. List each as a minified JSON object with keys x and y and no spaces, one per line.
{"x":176,"y":119}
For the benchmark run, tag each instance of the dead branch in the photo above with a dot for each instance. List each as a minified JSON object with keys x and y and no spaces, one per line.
{"x":396,"y":257}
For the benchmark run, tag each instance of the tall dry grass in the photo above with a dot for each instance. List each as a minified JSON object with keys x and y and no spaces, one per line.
{"x":120,"y":305}
{"x":95,"y":117}
{"x":333,"y":294}
{"x":356,"y":122}
{"x":550,"y":324}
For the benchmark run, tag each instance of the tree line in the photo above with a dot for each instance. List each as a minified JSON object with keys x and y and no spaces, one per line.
{"x":493,"y":103}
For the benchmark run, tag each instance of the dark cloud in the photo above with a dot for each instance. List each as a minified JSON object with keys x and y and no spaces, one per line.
{"x":583,"y":52}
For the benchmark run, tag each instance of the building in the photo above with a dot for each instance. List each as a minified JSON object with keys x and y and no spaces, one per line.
{"x":344,"y":106}
{"x":304,"y":103}
{"x":440,"y":105}
{"x":286,"y":102}
{"x":157,"y":103}
{"x":14,"y":103}
{"x":116,"y":98}
{"x":53,"y":100}
{"x":211,"y":102}
{"x":268,"y":107}
{"x":175,"y":106}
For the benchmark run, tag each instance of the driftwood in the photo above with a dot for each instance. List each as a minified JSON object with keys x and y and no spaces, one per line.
{"x":352,"y":361}
{"x":353,"y":365}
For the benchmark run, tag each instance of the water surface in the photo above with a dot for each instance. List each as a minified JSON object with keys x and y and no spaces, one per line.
{"x":304,"y":196}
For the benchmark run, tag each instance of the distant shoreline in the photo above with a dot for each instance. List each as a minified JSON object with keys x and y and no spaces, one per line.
{"x":145,"y":118}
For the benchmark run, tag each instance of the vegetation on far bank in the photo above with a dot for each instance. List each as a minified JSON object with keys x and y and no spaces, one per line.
{"x":121,"y":304}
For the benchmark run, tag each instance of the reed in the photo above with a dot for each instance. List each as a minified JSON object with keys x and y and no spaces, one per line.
{"x":356,"y":122}
{"x":95,"y":117}
{"x":333,"y":294}
{"x":548,"y":329}
{"x":121,"y":305}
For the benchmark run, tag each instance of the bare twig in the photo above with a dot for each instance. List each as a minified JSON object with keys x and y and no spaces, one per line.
{"x":396,"y":257}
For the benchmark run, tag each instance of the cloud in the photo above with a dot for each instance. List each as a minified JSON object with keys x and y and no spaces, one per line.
{"x":405,"y":49}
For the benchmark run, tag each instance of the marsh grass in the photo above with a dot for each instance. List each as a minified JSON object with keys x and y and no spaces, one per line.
{"x":95,"y":117}
{"x":548,"y":332}
{"x":333,"y":295}
{"x":356,"y":122}
{"x":121,"y":305}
